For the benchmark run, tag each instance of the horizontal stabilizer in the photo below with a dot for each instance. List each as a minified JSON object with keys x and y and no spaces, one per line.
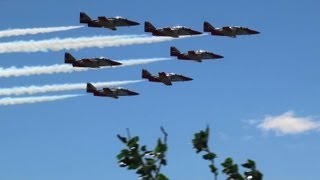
{"x":164,"y":78}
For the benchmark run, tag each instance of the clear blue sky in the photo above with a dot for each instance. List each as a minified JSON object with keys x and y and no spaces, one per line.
{"x":272,"y":76}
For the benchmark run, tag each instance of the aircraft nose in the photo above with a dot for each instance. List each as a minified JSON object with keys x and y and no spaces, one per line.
{"x":255,"y":32}
{"x":219,"y":56}
{"x":134,"y":93}
{"x":196,"y":32}
{"x":188,"y":79}
{"x":133,"y":23}
{"x":118,"y":63}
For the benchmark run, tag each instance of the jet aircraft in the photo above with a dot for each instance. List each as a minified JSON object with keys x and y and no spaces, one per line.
{"x":166,"y":78}
{"x":95,"y":62}
{"x":105,"y":22}
{"x":110,"y":92}
{"x":197,"y":56}
{"x":230,"y":31}
{"x":175,"y":31}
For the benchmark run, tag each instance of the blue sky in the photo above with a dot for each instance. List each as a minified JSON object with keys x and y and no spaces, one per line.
{"x":260,"y":100}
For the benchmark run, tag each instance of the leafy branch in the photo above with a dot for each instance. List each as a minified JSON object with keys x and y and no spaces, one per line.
{"x":200,"y":143}
{"x":147,"y":163}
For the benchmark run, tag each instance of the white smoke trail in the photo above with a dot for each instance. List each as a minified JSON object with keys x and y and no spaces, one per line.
{"x":59,"y":87}
{"x":66,"y":68}
{"x":57,"y":44}
{"x":36,"y":99}
{"x":26,"y":31}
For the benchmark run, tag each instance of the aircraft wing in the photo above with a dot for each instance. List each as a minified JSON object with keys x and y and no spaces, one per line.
{"x":227,"y":29}
{"x":165,"y":79}
{"x":99,"y":93}
{"x":167,"y":29}
{"x":195,"y":56}
{"x":105,"y":22}
{"x":192,"y":53}
{"x":89,"y":63}
{"x":87,"y":60}
{"x":94,"y":24}
{"x":110,"y":93}
{"x":169,"y":32}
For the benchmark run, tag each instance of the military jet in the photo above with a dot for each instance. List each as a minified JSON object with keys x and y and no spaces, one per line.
{"x":175,"y":31}
{"x":230,"y":31}
{"x":165,"y":78}
{"x":110,"y":92}
{"x":197,"y":56}
{"x":105,"y":22}
{"x":95,"y":62}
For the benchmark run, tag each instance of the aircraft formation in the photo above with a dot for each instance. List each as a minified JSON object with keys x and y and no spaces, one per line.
{"x":73,"y":63}
{"x":162,"y":77}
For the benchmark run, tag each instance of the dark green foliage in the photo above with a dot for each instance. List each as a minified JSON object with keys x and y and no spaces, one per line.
{"x":147,"y":163}
{"x":231,"y":169}
{"x":200,"y":143}
{"x":162,"y":177}
{"x":209,"y":156}
{"x":253,"y":172}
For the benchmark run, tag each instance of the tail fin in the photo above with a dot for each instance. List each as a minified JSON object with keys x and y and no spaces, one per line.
{"x":148,"y":27}
{"x":174,"y":51}
{"x":146,"y":74}
{"x":84,"y":18}
{"x":68,"y":58}
{"x":207,"y":27}
{"x":91,"y":88}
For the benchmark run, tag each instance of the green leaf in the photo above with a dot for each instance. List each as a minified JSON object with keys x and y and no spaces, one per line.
{"x":161,"y":148}
{"x":249,"y":164}
{"x":123,"y":154}
{"x":236,"y":176}
{"x":209,"y":156}
{"x":235,"y":168}
{"x":213,"y":169}
{"x":200,"y":141}
{"x":143,"y":148}
{"x":133,"y":142}
{"x":163,"y":162}
{"x":133,"y":165}
{"x":122,"y":139}
{"x":162,"y":177}
{"x":255,"y":174}
{"x":150,"y":161}
{"x":141,"y":171}
{"x":227,"y":162}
